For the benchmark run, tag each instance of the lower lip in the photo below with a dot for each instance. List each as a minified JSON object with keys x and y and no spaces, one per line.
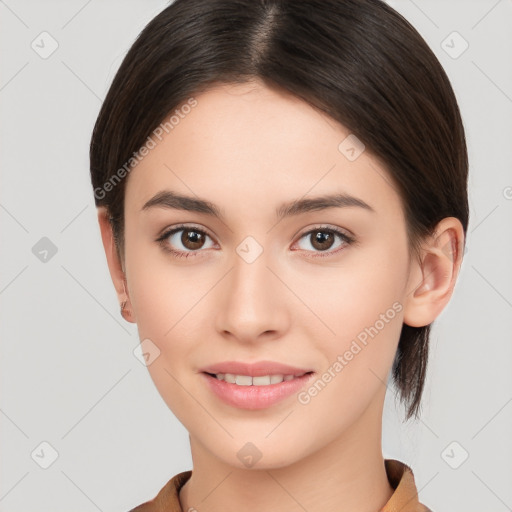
{"x":255,"y":397}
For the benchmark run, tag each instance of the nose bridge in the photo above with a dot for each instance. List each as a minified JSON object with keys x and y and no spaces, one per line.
{"x":251,"y":278}
{"x":252,"y":301}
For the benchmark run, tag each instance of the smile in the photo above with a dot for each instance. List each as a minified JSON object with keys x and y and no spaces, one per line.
{"x":247,"y":380}
{"x":254,"y":392}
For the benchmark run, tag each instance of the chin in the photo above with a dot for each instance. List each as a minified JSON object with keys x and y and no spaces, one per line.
{"x":257,"y":454}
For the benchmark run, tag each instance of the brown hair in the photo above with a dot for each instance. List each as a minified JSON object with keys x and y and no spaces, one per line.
{"x":359,"y":61}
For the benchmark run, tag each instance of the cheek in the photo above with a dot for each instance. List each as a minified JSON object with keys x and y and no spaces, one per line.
{"x":361,"y":312}
{"x":161,"y":292}
{"x":167,"y":301}
{"x":365,"y":313}
{"x":152,"y":297}
{"x":357,"y":294}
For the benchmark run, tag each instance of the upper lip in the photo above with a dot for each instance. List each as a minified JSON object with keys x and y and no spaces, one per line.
{"x":256,"y":369}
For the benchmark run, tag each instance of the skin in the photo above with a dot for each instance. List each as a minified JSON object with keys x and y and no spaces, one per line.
{"x":247,"y":149}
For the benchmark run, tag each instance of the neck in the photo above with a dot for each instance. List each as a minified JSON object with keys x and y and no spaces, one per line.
{"x":346,"y":475}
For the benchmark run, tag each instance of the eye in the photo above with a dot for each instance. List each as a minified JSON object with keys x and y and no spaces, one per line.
{"x":322,"y":239}
{"x":183,"y":241}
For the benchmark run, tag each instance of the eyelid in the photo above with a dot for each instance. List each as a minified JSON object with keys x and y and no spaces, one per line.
{"x":326,"y":227}
{"x":166,"y":232}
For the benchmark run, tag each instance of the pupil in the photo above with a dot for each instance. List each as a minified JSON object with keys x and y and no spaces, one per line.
{"x":322,"y":237}
{"x":192,"y":238}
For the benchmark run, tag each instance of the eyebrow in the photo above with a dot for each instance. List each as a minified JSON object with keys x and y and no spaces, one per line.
{"x":172,"y":200}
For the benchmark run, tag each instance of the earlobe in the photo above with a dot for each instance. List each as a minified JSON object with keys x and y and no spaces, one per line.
{"x":432,"y":280}
{"x":114,"y":264}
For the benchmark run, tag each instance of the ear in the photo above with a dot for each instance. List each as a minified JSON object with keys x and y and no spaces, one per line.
{"x":432,"y":280}
{"x":114,"y":264}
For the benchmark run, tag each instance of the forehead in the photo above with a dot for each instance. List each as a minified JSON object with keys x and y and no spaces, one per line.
{"x":249,"y":145}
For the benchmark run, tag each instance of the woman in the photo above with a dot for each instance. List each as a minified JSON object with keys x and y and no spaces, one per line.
{"x":282,"y":197}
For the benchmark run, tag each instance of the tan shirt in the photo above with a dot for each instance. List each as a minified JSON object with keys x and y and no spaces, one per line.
{"x":400,"y":476}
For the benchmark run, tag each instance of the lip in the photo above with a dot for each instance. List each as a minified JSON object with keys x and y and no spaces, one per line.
{"x":256,"y":369}
{"x":255,"y":397}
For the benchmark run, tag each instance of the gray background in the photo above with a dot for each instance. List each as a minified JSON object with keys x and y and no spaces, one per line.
{"x":68,"y":374}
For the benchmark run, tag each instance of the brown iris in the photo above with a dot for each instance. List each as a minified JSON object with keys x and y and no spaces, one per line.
{"x":322,"y":240}
{"x":192,"y":239}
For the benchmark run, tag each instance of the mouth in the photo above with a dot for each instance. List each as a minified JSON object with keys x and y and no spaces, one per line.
{"x":261,"y":380}
{"x":255,"y":392}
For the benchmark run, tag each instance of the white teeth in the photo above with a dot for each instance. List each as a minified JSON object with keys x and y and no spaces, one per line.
{"x":265,"y":380}
{"x":243,"y":380}
{"x":247,"y":380}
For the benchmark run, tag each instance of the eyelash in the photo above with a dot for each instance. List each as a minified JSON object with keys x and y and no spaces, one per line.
{"x":348,"y":240}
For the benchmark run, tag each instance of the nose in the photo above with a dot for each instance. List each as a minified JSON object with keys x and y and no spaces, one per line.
{"x":251,"y":302}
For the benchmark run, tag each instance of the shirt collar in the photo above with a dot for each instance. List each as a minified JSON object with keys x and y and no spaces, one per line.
{"x":400,"y":476}
{"x":405,"y":498}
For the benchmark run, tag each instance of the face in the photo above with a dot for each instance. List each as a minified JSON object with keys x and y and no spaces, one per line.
{"x":266,"y":272}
